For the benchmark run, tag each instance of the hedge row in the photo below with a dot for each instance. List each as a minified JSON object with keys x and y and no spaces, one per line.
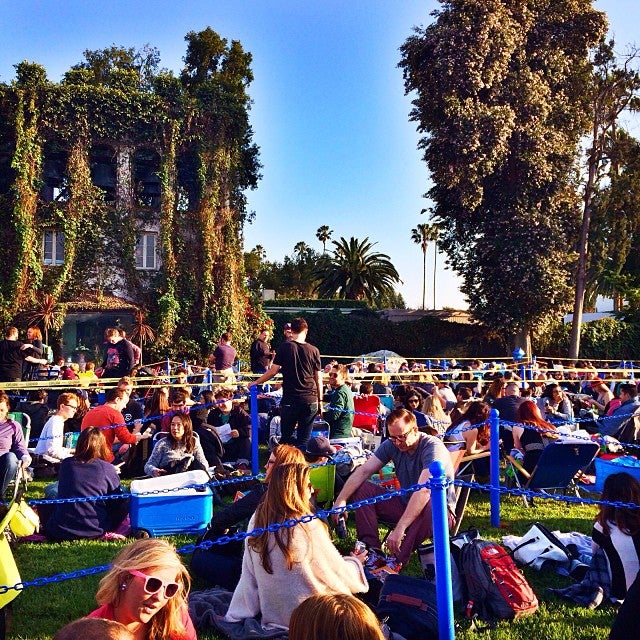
{"x":363,"y":332}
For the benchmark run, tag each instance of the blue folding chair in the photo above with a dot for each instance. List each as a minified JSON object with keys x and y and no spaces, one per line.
{"x":558,"y":466}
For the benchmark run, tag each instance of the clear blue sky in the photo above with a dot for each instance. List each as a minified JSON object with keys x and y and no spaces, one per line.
{"x":329,"y":109}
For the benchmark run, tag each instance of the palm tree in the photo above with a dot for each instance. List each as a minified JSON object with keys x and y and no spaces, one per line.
{"x":420,"y":235}
{"x":435,"y":235}
{"x":423,"y":234}
{"x":354,"y":272}
{"x":49,"y":312}
{"x":141,"y":331}
{"x":324,"y":234}
{"x":300,"y":248}
{"x":260,"y":251}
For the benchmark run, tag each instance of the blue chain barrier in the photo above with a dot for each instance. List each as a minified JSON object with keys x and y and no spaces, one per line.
{"x":323,"y":514}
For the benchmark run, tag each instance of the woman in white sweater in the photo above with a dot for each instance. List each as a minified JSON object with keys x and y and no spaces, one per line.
{"x":281,"y":569}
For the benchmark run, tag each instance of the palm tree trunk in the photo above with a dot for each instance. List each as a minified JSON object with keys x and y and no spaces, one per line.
{"x":424,"y":274}
{"x":435,"y":264}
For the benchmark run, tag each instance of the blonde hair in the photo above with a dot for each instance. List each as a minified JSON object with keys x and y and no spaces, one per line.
{"x":286,"y":498}
{"x":433,"y":407}
{"x":145,"y":556}
{"x":334,"y":617}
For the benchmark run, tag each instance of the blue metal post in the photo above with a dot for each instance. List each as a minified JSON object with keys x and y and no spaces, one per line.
{"x":428,"y":365}
{"x":494,"y":441}
{"x":523,"y":376}
{"x":443,"y":364}
{"x":255,"y":421}
{"x":384,"y":362}
{"x":209,"y":379}
{"x":444,"y":587}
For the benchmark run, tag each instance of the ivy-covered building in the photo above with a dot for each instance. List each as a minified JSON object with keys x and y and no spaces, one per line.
{"x":123,"y":182}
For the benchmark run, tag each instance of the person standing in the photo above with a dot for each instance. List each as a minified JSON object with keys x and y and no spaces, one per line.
{"x":260,"y":353}
{"x":118,"y":360}
{"x":301,"y":370}
{"x":12,"y":354}
{"x":339,"y":413}
{"x":224,"y":355}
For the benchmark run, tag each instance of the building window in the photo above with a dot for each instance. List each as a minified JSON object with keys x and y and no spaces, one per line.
{"x":146,"y":251}
{"x":53,"y":247}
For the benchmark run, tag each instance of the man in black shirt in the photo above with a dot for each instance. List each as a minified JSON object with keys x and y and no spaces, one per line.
{"x":299,"y":363}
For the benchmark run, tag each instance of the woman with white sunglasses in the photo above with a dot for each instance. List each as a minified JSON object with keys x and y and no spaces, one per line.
{"x":146,"y":590}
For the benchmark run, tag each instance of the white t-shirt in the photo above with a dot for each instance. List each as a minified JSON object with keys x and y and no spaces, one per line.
{"x":51,"y":439}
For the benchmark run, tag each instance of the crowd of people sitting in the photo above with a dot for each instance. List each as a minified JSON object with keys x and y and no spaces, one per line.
{"x":419,"y":416}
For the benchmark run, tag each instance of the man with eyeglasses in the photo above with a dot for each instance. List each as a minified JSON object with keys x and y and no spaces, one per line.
{"x":412,"y":452}
{"x":50,"y":445}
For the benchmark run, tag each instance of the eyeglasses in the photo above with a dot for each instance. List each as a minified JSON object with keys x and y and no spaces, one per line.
{"x":402,"y":437}
{"x":153,"y":585}
{"x":71,"y":406}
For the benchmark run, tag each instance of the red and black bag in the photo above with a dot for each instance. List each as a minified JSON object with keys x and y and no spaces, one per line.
{"x":497,"y":589}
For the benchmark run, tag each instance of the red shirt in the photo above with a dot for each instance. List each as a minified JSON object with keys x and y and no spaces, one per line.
{"x":106,"y":612}
{"x":107,"y":416}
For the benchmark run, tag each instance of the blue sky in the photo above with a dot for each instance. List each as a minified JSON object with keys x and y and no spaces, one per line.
{"x":329,"y":109}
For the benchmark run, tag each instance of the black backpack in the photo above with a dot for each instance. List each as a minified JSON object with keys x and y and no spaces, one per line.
{"x":408,"y":606}
{"x":497,"y":589}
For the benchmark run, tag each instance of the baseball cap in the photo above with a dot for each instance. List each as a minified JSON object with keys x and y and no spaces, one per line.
{"x":320,"y":446}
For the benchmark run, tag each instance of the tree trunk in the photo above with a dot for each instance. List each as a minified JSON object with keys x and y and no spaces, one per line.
{"x":583,"y":246}
{"x":424,"y":275}
{"x":435,"y":264}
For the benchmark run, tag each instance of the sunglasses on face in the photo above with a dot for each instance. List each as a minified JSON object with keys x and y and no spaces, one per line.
{"x":153,"y":585}
{"x":71,"y":406}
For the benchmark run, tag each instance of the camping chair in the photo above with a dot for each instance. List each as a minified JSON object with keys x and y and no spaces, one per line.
{"x":24,"y":420}
{"x":323,"y":480}
{"x":464,"y":470}
{"x":558,"y":465}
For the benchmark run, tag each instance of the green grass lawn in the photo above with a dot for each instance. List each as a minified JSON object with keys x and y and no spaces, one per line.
{"x":39,"y":611}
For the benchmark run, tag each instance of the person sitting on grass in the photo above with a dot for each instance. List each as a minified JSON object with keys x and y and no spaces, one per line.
{"x":412,"y":453}
{"x":233,"y":424}
{"x":280,"y":569}
{"x":146,"y":590}
{"x":178,"y":451}
{"x":617,"y":532}
{"x":87,"y":473}
{"x":222,"y":564}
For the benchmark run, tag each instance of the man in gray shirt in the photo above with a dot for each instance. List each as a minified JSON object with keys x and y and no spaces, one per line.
{"x":412,"y":452}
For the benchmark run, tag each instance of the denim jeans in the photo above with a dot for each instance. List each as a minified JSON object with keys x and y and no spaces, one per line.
{"x":301,"y":414}
{"x":8,"y":467}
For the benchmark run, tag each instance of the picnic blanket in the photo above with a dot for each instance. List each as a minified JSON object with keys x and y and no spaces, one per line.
{"x":594,"y":588}
{"x":208,"y":608}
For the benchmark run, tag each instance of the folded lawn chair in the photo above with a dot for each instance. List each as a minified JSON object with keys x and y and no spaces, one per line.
{"x":557,"y":468}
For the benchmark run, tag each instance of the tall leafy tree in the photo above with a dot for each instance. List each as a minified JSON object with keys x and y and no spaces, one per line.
{"x":614,"y":89}
{"x":501,"y":98}
{"x":352,"y":270}
{"x":324,"y":234}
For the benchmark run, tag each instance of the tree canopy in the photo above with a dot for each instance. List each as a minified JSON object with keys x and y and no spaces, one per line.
{"x":354,"y":272}
{"x":501,"y":98}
